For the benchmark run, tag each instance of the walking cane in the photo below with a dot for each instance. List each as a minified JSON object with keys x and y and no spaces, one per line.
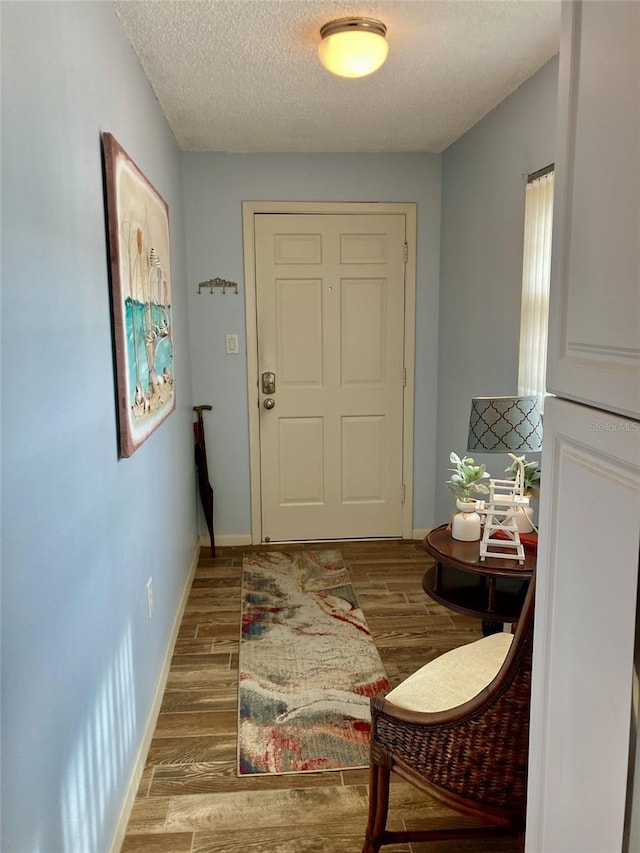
{"x":206,"y":492}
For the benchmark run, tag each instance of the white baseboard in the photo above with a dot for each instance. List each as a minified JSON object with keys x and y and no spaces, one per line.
{"x":138,"y":767}
{"x":228,"y":539}
{"x":421,"y":532}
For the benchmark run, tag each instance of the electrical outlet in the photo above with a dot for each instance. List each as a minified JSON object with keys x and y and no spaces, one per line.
{"x":150,"y":597}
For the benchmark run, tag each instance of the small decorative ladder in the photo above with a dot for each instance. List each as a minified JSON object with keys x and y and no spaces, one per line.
{"x":500,"y":516}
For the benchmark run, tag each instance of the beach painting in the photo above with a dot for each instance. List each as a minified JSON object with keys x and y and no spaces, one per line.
{"x":138,"y":226}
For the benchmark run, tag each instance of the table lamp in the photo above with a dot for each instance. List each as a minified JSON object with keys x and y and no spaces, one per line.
{"x":508,"y":425}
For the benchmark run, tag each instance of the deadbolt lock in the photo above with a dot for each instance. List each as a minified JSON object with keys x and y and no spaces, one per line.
{"x":268,"y":383}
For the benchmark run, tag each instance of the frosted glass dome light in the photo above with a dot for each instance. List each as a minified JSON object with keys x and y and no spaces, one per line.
{"x":353,"y":47}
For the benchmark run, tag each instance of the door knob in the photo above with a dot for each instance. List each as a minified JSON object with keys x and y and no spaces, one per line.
{"x":268,"y":402}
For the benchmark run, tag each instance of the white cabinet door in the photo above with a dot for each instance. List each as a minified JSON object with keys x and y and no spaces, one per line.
{"x":584,"y":631}
{"x":594,"y":326}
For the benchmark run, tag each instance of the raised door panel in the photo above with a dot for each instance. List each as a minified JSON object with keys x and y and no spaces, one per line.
{"x":363,"y":323}
{"x":594,"y":326}
{"x":301,"y":446}
{"x":365,"y":248}
{"x":297,"y":248}
{"x":363,"y":459}
{"x":299,"y":338}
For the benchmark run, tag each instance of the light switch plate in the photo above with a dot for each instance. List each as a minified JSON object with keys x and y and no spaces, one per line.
{"x":232,"y":345}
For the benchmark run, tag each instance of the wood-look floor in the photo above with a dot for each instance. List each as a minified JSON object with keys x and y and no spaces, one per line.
{"x":190,"y":799}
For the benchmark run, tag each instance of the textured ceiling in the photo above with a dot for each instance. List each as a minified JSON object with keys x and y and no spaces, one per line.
{"x":243,"y":75}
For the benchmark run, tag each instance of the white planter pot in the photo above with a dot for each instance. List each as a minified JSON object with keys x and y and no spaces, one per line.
{"x":524,"y":516}
{"x":465,"y":525}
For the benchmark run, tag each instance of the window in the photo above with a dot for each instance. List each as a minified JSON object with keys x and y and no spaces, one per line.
{"x":536,"y":269}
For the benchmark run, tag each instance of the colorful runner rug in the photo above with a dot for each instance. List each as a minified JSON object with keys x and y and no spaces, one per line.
{"x":308,"y":666}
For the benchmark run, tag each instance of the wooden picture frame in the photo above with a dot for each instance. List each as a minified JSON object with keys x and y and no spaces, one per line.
{"x":139,"y":248}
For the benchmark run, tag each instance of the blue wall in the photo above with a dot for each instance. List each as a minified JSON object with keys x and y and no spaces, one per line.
{"x":81,"y":530}
{"x":483,"y":184}
{"x":215,"y":185}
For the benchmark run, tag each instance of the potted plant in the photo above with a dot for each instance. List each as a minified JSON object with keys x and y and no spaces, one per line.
{"x":466,"y":481}
{"x":467,"y":478}
{"x":530,"y":487}
{"x":530,"y":473}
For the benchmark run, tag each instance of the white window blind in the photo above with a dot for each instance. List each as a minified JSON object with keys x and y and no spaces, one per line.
{"x":536,"y":270}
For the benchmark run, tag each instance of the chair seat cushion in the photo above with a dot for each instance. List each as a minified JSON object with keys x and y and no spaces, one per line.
{"x":454,"y":677}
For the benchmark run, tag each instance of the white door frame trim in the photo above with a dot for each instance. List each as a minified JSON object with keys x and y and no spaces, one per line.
{"x":249,"y":210}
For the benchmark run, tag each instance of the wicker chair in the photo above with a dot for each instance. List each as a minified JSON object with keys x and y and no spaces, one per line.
{"x":471,"y":755}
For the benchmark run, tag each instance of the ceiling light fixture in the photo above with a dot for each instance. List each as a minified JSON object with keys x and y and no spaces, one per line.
{"x":353,"y":47}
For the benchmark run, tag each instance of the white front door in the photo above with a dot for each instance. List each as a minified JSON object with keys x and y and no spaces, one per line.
{"x":330,"y":322}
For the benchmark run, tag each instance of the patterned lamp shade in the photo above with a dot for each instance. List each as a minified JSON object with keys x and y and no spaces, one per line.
{"x":505,"y":425}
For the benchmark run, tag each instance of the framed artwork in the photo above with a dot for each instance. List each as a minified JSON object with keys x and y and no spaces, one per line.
{"x":138,"y":224}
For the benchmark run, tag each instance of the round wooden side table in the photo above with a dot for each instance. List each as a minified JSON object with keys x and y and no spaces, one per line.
{"x":492,"y":589}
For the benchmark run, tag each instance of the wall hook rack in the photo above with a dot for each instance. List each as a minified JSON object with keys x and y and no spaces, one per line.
{"x":217,"y":282}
